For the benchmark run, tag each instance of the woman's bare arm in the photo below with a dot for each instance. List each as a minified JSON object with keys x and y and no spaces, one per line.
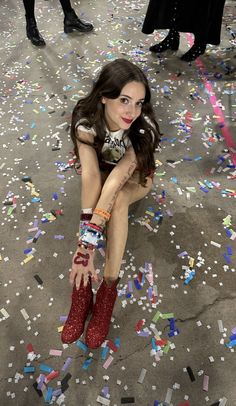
{"x":114,"y":183}
{"x":91,"y":176}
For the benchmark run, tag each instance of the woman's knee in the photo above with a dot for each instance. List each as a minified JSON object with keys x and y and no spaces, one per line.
{"x":121,"y":203}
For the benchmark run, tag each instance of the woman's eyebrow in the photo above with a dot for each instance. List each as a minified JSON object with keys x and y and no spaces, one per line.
{"x":128,"y":97}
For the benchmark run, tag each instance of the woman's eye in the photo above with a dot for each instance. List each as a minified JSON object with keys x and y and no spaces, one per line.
{"x":124,"y":100}
{"x":140,"y":104}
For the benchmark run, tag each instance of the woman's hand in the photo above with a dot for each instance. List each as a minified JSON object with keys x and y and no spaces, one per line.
{"x":82,"y":267}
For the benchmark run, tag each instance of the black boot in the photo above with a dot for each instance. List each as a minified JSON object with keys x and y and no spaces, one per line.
{"x":194,"y":52}
{"x":72,"y":22}
{"x":170,"y":42}
{"x":33,"y":34}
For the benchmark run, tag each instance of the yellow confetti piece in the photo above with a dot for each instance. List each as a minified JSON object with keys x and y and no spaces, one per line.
{"x":191,"y":262}
{"x":34,"y":193}
{"x":29,"y":184}
{"x":150,"y":213}
{"x":35,"y":111}
{"x":159,"y":163}
{"x":59,"y":329}
{"x":28,"y":259}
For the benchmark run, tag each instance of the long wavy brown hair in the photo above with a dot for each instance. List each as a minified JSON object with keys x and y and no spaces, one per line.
{"x":144,"y":132}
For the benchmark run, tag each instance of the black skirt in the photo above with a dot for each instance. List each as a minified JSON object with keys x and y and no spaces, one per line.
{"x":200,"y":17}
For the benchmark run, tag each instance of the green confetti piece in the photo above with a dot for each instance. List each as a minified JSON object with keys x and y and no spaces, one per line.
{"x":191,"y":189}
{"x":160,"y":173}
{"x":166,"y":348}
{"x":157,"y":316}
{"x":167,"y":316}
{"x":10,"y":210}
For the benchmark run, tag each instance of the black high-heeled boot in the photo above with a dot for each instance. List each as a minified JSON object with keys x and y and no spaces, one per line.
{"x":72,"y":22}
{"x":33,"y":34}
{"x":170,"y":42}
{"x":194,"y":52}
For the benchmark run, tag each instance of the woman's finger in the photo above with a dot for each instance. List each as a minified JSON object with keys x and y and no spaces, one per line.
{"x":72,"y":276}
{"x":85,"y":279}
{"x":78,"y":280}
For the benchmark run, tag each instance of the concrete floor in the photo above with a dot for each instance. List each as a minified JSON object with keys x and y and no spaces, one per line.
{"x":192,"y":227}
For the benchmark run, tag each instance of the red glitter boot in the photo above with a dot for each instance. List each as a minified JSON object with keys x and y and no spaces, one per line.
{"x":82,"y":303}
{"x":98,"y":326}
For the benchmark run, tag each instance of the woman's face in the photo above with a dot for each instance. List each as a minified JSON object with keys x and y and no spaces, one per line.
{"x":120,"y":113}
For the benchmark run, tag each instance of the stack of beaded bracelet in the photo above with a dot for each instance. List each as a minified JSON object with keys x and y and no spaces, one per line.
{"x":91,"y":236}
{"x":84,"y":221}
{"x":102,"y":213}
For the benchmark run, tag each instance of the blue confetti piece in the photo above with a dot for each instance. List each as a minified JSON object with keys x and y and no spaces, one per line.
{"x":187,"y":158}
{"x":29,"y":369}
{"x":231,"y":344}
{"x":86,"y":363}
{"x":154,"y":346}
{"x":27,"y":251}
{"x":35,"y":200}
{"x":227,"y":258}
{"x":44,"y":220}
{"x":117,"y":342}
{"x":104,"y":352}
{"x":229,"y":250}
{"x":190,"y":277}
{"x":205,"y":190}
{"x":137,"y":284}
{"x":55,"y":196}
{"x":81,"y":345}
{"x":49,"y":395}
{"x":45,"y":368}
{"x":228,"y":232}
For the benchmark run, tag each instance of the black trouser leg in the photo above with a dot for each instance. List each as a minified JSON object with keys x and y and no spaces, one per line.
{"x":72,"y":21}
{"x":172,"y":39}
{"x":66,"y":6}
{"x":31,"y":25}
{"x":175,"y":12}
{"x":29,"y":8}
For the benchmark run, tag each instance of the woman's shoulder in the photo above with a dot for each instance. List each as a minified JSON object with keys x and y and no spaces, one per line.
{"x":84,"y":126}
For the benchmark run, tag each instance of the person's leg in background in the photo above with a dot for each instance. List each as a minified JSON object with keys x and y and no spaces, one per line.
{"x":32,"y":31}
{"x":208,"y":28}
{"x":198,"y":48}
{"x":71,"y":20}
{"x":172,"y":39}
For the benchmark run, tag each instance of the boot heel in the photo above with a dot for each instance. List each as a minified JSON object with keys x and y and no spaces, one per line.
{"x":67,"y":30}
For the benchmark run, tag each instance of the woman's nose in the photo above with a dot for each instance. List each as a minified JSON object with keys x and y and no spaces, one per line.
{"x":131,"y":109}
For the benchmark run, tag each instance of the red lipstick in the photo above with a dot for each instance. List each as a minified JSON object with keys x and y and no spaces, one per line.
{"x":127,"y":120}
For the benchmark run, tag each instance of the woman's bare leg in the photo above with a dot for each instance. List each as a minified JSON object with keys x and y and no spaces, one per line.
{"x":117,"y":230}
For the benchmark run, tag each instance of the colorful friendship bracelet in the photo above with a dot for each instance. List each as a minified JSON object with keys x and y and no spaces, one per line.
{"x":102,"y":213}
{"x":91,"y":236}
